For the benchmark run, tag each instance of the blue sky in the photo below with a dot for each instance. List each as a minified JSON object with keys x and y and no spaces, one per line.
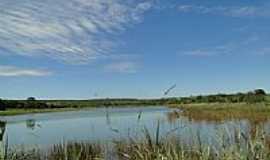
{"x":82,"y":49}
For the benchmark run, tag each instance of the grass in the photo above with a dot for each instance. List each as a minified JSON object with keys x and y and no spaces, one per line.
{"x":268,"y":99}
{"x":218,"y":112}
{"x":233,"y":145}
{"x":239,"y":146}
{"x":65,"y":151}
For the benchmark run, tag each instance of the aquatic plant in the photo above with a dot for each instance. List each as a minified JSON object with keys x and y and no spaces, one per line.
{"x":239,"y":147}
{"x":63,"y":151}
{"x":235,"y":146}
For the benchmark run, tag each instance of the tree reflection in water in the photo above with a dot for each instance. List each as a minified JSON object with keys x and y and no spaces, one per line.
{"x":2,"y":143}
{"x":31,"y":124}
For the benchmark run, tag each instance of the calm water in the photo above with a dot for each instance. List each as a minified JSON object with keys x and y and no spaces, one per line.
{"x":105,"y":124}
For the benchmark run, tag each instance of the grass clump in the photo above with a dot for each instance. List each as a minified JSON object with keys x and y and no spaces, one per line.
{"x":236,"y":145}
{"x":65,"y":151}
{"x":240,"y":147}
{"x":218,"y":112}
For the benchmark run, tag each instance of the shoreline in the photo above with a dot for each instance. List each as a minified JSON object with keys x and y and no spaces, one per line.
{"x":195,"y":107}
{"x":16,"y":112}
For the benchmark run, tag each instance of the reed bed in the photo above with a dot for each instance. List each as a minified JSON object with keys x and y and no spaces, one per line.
{"x":219,"y":112}
{"x":64,"y":151}
{"x":239,"y":147}
{"x":229,"y":144}
{"x":236,"y":146}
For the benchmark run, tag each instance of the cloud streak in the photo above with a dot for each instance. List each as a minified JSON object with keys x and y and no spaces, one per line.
{"x":12,"y":71}
{"x":74,"y":31}
{"x":233,"y":11}
{"x":122,"y":67}
{"x":249,"y":45}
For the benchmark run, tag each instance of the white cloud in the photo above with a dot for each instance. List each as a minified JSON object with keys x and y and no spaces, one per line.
{"x":75,"y":31}
{"x":233,"y":11}
{"x":11,"y":71}
{"x":122,"y":67}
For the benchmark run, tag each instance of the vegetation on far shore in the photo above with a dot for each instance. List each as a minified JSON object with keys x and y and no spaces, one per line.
{"x":238,"y":144}
{"x":218,"y":112}
{"x":13,"y":112}
{"x":253,"y":106}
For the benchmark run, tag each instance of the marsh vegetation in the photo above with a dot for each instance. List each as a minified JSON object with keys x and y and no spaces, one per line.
{"x":213,"y":127}
{"x":229,"y":146}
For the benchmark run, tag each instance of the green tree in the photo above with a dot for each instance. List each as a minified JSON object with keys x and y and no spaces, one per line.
{"x":31,"y":99}
{"x":259,"y":92}
{"x":2,"y":105}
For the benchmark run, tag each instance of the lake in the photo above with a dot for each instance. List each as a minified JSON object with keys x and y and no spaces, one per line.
{"x":107,"y":124}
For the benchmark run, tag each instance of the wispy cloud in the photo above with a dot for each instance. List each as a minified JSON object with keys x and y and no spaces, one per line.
{"x":233,"y":11}
{"x":251,"y":45}
{"x":210,"y":51}
{"x":122,"y":67}
{"x":75,"y":31}
{"x":11,"y":71}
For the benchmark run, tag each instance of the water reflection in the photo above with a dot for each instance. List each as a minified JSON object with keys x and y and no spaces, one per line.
{"x":101,"y":124}
{"x":2,"y":143}
{"x":32,"y":124}
{"x":2,"y":130}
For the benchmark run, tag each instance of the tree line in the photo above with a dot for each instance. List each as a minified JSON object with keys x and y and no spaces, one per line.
{"x":256,"y":96}
{"x":32,"y":103}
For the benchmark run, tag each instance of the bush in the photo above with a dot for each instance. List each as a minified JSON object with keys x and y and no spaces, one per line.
{"x":260,"y":92}
{"x":31,"y":99}
{"x":2,"y":105}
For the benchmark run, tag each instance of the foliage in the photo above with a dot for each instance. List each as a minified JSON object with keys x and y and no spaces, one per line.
{"x":2,"y":105}
{"x":236,"y":145}
{"x":65,"y":151}
{"x":220,"y":112}
{"x":47,"y":104}
{"x":255,"y":96}
{"x":31,"y":99}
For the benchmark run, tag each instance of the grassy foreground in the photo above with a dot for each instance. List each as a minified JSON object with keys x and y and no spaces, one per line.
{"x":237,"y":146}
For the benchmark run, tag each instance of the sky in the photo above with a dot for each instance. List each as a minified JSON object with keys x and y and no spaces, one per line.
{"x":84,"y":49}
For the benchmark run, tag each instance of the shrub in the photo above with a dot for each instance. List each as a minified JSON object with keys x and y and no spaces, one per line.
{"x":2,"y":105}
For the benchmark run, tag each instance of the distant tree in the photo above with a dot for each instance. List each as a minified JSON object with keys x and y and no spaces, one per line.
{"x":32,"y":103}
{"x":2,"y":105}
{"x":259,"y":92}
{"x":254,"y":97}
{"x":31,"y":99}
{"x":199,"y":99}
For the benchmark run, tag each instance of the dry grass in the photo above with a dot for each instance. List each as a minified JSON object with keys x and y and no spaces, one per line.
{"x":235,"y":145}
{"x":66,"y":151}
{"x":221,"y":112}
{"x":240,"y":146}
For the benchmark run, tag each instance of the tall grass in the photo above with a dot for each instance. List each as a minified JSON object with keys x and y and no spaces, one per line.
{"x":221,"y":112}
{"x":230,"y":144}
{"x":236,"y":146}
{"x":240,"y":147}
{"x":64,"y":151}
